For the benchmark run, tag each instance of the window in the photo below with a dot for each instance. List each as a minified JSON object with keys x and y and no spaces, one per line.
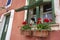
{"x":5,"y":27}
{"x":47,"y":11}
{"x":6,"y":21}
{"x":42,"y":11}
{"x":32,"y":16}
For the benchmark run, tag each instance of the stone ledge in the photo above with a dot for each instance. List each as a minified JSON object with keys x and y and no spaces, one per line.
{"x":54,"y":25}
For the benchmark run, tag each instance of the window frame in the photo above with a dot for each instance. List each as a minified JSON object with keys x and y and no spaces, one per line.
{"x":11,"y":12}
{"x":42,"y":12}
{"x":53,"y":25}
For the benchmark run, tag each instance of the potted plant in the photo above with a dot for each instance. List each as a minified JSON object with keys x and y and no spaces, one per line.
{"x":42,"y":28}
{"x":26,"y":29}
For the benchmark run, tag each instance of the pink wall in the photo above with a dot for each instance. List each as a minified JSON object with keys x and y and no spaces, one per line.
{"x":18,"y":19}
{"x":2,"y":3}
{"x":17,"y":23}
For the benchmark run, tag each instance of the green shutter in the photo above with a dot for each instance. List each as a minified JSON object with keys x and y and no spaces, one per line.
{"x":5,"y":27}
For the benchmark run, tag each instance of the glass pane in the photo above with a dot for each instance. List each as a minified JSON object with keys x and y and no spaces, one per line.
{"x":32,"y":16}
{"x":47,"y":7}
{"x":47,"y":15}
{"x":47,"y":11}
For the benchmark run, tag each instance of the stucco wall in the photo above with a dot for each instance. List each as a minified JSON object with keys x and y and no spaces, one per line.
{"x":57,"y":10}
{"x":18,"y":19}
{"x":17,"y":23}
{"x":1,"y":12}
{"x":2,"y":3}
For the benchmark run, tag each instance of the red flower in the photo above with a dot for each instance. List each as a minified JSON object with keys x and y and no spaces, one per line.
{"x":50,"y":20}
{"x":39,"y":19}
{"x":38,"y":22}
{"x":30,"y":24}
{"x":46,"y":20}
{"x":24,"y":23}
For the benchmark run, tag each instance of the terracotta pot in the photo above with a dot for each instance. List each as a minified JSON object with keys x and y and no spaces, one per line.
{"x":26,"y":32}
{"x":42,"y":33}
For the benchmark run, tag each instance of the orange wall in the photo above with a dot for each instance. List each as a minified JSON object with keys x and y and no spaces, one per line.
{"x":17,"y":23}
{"x":2,"y":3}
{"x":18,"y":19}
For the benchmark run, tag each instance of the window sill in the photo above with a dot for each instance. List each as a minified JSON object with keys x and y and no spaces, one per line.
{"x":55,"y":27}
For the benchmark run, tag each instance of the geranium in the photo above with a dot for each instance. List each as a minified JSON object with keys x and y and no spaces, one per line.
{"x":40,"y":25}
{"x":39,"y":19}
{"x":44,"y":25}
{"x":46,"y":20}
{"x":25,"y":26}
{"x":30,"y":24}
{"x":38,"y":22}
{"x":24,"y":23}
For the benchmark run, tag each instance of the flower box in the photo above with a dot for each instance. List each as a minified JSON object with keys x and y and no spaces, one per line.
{"x":39,"y":29}
{"x":26,"y":29}
{"x":26,"y":32}
{"x":42,"y":33}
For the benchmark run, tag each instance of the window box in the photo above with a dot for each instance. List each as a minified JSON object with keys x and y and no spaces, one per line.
{"x":42,"y":33}
{"x":40,"y":29}
{"x":26,"y":29}
{"x":26,"y":32}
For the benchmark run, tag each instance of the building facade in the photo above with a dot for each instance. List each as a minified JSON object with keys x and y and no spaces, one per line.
{"x":11,"y":18}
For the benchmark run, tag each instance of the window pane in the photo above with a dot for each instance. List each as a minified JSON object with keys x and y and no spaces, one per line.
{"x":47,"y":11}
{"x":47,"y":7}
{"x":47,"y":15}
{"x":32,"y":16}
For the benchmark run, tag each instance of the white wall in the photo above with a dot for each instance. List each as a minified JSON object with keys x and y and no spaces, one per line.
{"x":57,"y":11}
